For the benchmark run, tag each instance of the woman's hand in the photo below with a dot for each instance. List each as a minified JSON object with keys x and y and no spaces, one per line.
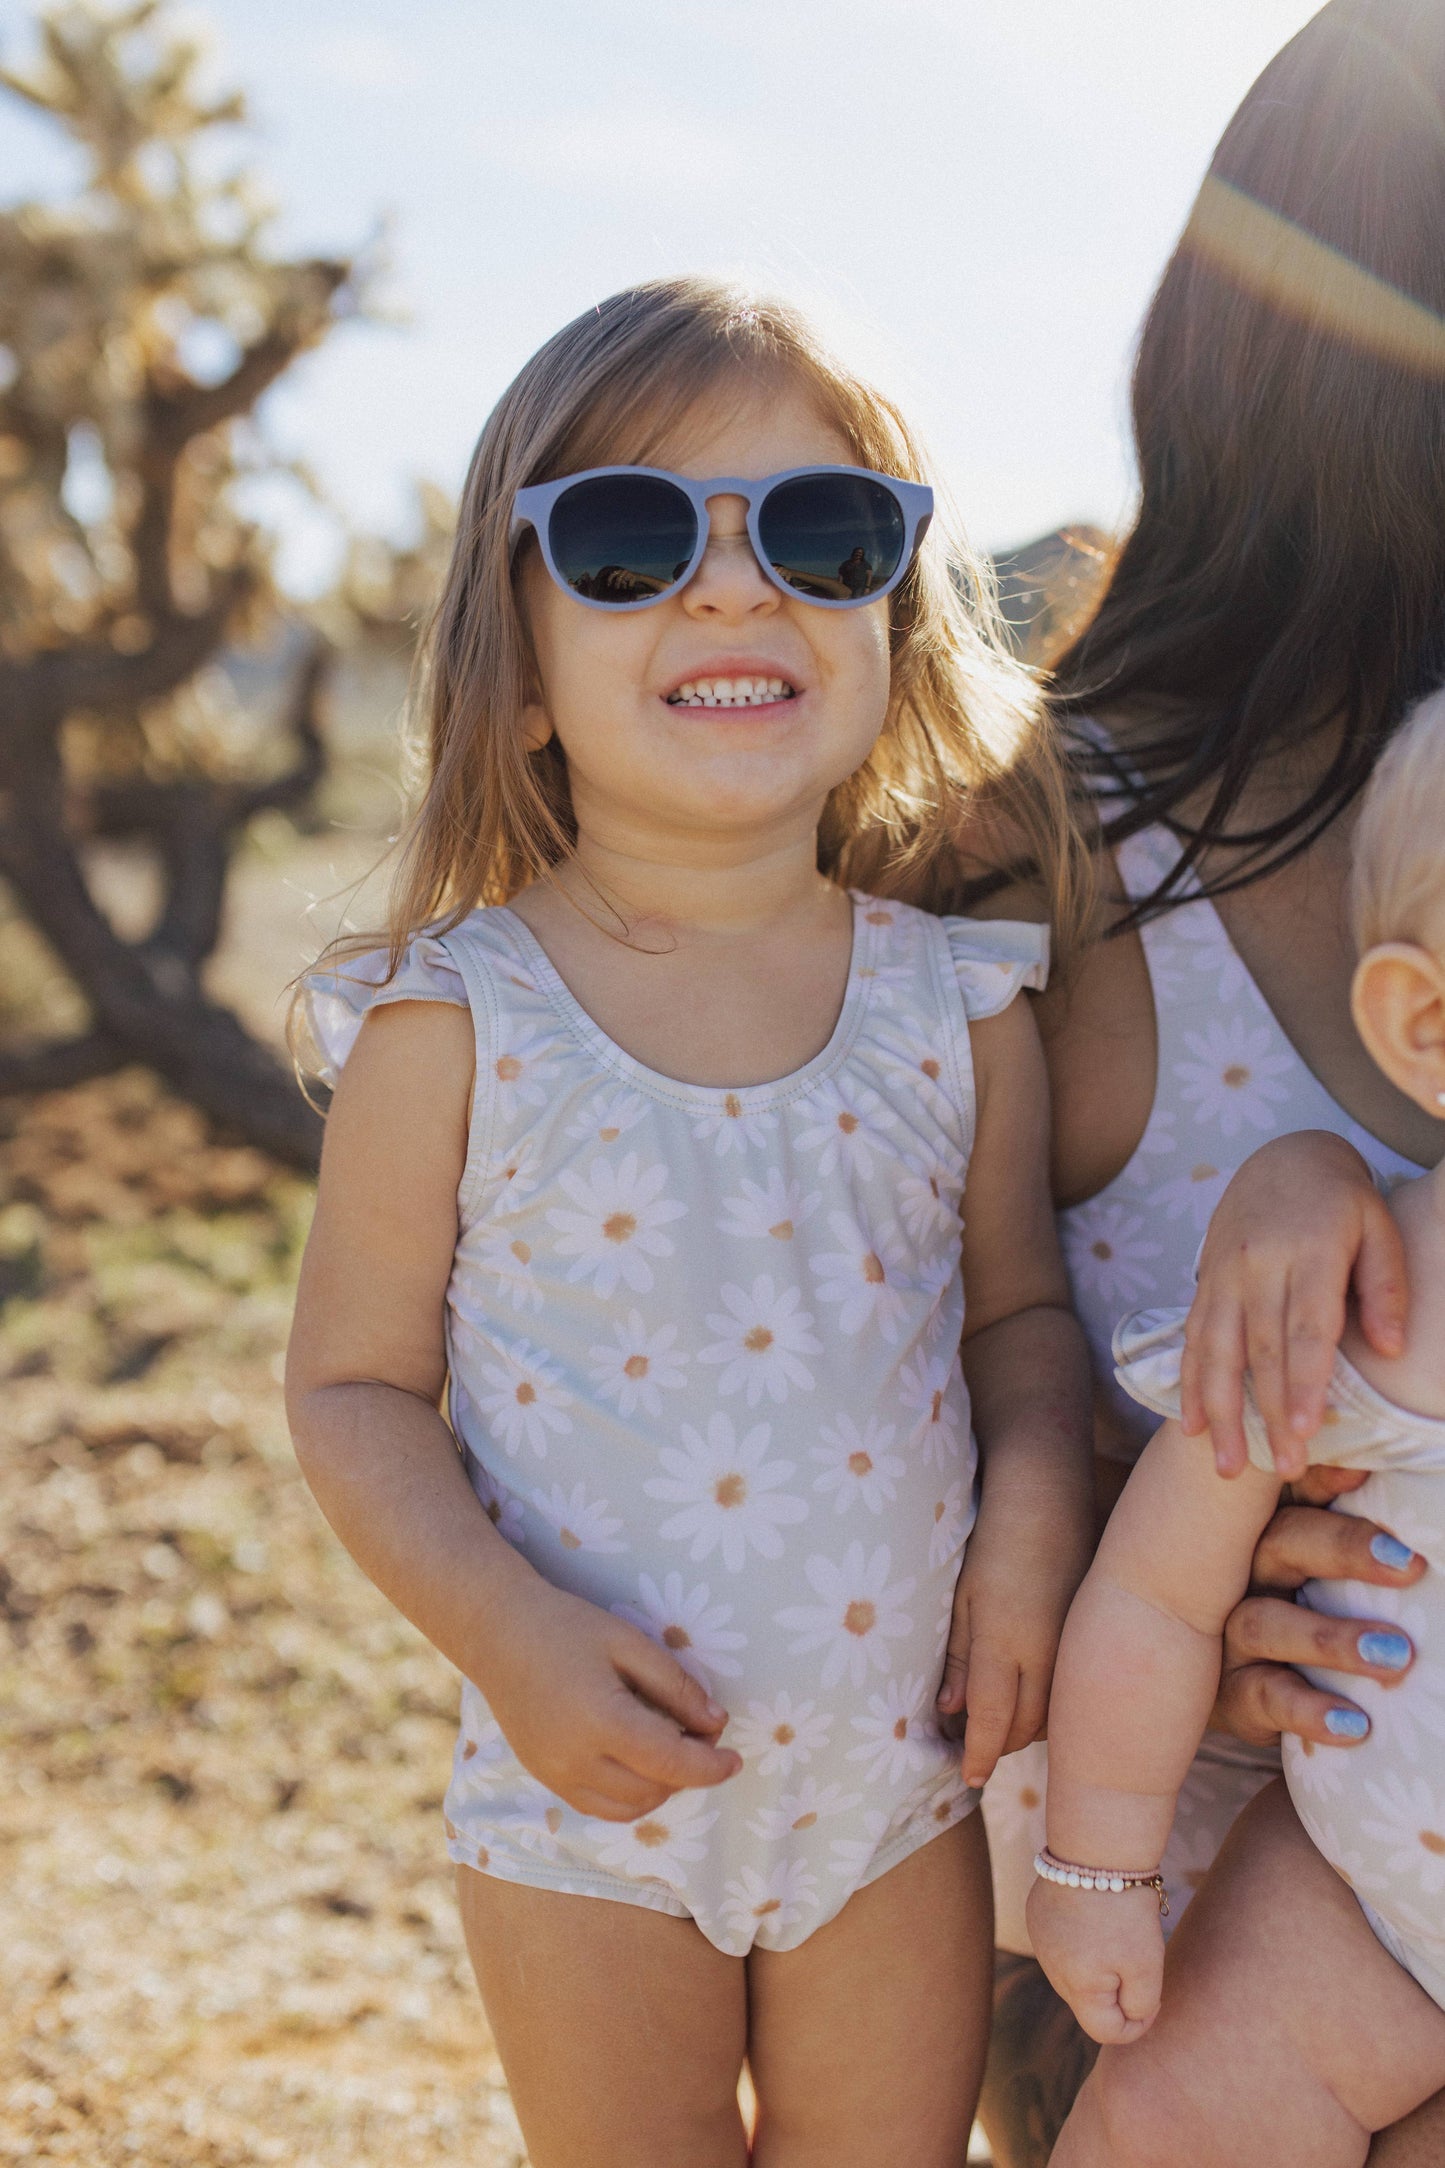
{"x":596,"y":1711}
{"x":1103,"y":1953}
{"x":1259,"y":1695}
{"x":1300,"y":1226}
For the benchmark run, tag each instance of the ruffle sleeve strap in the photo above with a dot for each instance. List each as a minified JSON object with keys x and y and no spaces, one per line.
{"x":338,"y":1000}
{"x":1148,"y":1354}
{"x":994,"y":959}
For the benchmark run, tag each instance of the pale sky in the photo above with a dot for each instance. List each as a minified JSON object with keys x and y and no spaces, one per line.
{"x":974,"y":196}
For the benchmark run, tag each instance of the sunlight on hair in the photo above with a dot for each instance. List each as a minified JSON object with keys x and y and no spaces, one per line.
{"x":1270,"y":256}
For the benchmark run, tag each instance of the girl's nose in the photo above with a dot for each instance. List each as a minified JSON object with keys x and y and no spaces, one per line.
{"x":729,"y":582}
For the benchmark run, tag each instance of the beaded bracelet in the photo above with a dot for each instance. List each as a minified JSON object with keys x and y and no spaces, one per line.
{"x":1113,"y":1879}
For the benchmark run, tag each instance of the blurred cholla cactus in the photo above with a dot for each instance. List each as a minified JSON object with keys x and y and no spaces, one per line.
{"x":140,"y":321}
{"x":386,"y":592}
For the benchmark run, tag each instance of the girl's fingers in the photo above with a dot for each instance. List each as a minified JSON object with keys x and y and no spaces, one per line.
{"x":992,"y":1695}
{"x":1379,"y":1280}
{"x":606,"y":1806}
{"x":1030,"y":1710}
{"x":1264,"y":1357}
{"x":1314,"y":1326}
{"x":1269,"y":1629}
{"x":661,"y":1679}
{"x":1307,"y":1543}
{"x":1214,"y":1362}
{"x":1260,"y":1701}
{"x":653,"y":1748}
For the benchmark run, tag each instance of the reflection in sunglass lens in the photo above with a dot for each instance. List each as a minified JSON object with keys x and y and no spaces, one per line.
{"x":834,"y":537}
{"x":622,"y":537}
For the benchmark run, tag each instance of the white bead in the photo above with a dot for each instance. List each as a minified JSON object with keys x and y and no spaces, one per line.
{"x":1073,"y":1881}
{"x":1116,"y":1883}
{"x":1087,"y":1881}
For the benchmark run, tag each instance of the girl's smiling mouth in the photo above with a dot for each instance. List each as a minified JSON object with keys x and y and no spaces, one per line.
{"x":731,"y":692}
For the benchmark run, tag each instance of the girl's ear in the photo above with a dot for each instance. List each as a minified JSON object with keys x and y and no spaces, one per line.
{"x":536,"y":726}
{"x":1398,"y":1000}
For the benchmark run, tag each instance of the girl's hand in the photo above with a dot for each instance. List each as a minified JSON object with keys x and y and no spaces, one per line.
{"x":597,"y":1712}
{"x":1025,"y":1558}
{"x":1104,"y":1955}
{"x":1259,"y":1695}
{"x":1298,"y":1227}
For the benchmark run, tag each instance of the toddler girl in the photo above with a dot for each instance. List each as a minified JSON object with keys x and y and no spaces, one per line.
{"x":651,"y":1146}
{"x":1304,"y":2008}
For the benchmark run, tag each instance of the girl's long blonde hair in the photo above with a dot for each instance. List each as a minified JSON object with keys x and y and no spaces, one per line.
{"x":965,"y":731}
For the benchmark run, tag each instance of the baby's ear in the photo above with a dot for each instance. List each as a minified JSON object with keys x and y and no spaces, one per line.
{"x":1398,"y":1000}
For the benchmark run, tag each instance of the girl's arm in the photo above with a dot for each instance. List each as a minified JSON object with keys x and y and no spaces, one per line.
{"x":1027,"y":1368}
{"x":597,"y":1712}
{"x":1137,"y":1674}
{"x":1299,"y":1227}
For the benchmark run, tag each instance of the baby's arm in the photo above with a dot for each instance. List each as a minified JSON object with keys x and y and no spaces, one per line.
{"x":1137,"y":1674}
{"x":597,"y":1712}
{"x":1028,"y":1376}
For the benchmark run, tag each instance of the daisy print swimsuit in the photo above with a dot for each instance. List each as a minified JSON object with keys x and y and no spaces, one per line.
{"x":703,"y":1356}
{"x":1227,"y":1079}
{"x":1377,"y":1813}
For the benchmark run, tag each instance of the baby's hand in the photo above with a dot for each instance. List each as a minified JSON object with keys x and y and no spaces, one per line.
{"x":1104,"y":1955}
{"x":597,"y":1712}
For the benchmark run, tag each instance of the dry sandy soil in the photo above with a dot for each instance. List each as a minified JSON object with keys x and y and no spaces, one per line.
{"x":227,"y":1932}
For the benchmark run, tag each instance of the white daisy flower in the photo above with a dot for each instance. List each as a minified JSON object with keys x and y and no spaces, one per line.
{"x":658,"y":1847}
{"x":1316,"y":1773}
{"x":607,"y":1116}
{"x":777,"y":1208}
{"x":1194,"y":1194}
{"x":535,"y":1825}
{"x":509,"y":1258}
{"x":857,"y":1614}
{"x":526,"y":1399}
{"x":1409,"y":1818}
{"x":898,"y":1737}
{"x":523,"y":1071}
{"x":615,"y":1226}
{"x":689,"y":1623}
{"x":731,"y":1125}
{"x":798,"y":1810}
{"x":888,"y":981}
{"x":779,"y":1734}
{"x":851,"y":1857}
{"x":1234,"y":1081}
{"x":731,"y":1495}
{"x":856,"y":1464}
{"x":865,"y":1276}
{"x":512,"y":1174}
{"x":640,"y":1366}
{"x":503,"y":1508}
{"x":846,"y":1124}
{"x":578,"y":1522}
{"x":482,"y":1758}
{"x":1200,"y":943}
{"x":1109,"y":1253}
{"x":766,"y":1906}
{"x":930,"y":1390}
{"x":952,"y":1518}
{"x":926,"y":1198}
{"x":761,"y":1341}
{"x":1013,"y":1802}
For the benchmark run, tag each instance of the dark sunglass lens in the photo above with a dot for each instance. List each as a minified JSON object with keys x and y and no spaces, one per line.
{"x":622,"y":537}
{"x":833,"y":537}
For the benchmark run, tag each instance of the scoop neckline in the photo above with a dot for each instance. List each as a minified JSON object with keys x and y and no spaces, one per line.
{"x":678,"y":1091}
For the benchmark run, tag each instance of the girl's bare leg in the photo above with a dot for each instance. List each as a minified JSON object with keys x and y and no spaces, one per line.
{"x":867,"y":2042}
{"x":1287,"y":2033}
{"x":621,"y":2031}
{"x":1038,"y":2057}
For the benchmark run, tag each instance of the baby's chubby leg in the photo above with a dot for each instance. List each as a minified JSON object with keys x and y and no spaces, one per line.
{"x":1287,"y":2033}
{"x":867,"y":2042}
{"x":621,"y":2030}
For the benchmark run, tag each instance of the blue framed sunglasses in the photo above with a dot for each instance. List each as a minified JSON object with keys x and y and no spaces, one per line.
{"x":622,"y":538}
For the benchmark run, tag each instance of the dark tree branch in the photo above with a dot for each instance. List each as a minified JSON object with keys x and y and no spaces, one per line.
{"x":64,"y":1062}
{"x":175,"y":416}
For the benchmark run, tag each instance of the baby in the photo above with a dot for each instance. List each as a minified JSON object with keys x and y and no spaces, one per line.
{"x":1306,"y":1996}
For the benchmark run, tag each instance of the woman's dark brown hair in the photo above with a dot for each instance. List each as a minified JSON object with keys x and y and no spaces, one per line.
{"x":1286,"y":572}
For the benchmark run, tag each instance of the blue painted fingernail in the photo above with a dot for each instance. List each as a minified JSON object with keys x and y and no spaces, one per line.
{"x":1347,"y":1723}
{"x":1390,"y":1551}
{"x":1390,"y":1651}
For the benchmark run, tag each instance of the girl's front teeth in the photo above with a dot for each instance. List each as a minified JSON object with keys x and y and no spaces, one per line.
{"x":740,"y":692}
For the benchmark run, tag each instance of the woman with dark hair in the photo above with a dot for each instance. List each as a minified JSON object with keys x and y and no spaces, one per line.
{"x":1276,"y":608}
